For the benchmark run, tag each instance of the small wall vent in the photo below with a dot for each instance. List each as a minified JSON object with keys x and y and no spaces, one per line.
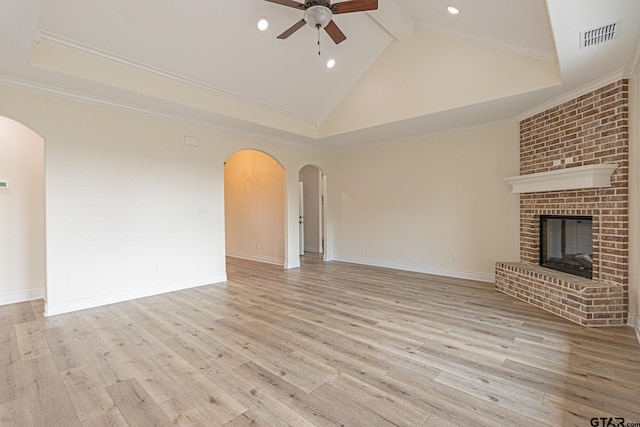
{"x":598,"y":35}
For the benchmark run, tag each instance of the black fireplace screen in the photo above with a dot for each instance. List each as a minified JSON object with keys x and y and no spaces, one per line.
{"x":566,"y":244}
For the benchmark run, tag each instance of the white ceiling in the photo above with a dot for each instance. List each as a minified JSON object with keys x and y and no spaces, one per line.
{"x":243,"y":79}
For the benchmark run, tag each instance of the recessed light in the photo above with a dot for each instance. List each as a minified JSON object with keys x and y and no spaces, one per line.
{"x":331,"y":63}
{"x":263,"y":24}
{"x":452,"y":10}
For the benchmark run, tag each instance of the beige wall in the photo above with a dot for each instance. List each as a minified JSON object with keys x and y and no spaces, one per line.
{"x":22,"y":219}
{"x":254,"y":201}
{"x":130,"y":209}
{"x":437,"y":204}
{"x":133,"y":211}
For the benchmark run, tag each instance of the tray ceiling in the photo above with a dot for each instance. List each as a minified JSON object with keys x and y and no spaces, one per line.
{"x":205,"y":61}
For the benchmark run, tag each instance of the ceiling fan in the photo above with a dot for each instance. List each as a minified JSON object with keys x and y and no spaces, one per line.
{"x":319,"y":14}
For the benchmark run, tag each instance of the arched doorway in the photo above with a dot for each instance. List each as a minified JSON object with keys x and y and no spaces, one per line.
{"x":22,"y":213}
{"x":313,"y":210}
{"x":255,"y":207}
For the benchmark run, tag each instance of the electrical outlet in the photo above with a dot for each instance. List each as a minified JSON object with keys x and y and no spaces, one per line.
{"x":557,"y":162}
{"x":568,"y":160}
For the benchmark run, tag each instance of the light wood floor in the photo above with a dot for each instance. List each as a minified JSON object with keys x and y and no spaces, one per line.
{"x":326,"y":344}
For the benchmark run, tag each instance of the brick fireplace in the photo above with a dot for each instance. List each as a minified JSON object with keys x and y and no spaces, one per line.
{"x":587,"y":132}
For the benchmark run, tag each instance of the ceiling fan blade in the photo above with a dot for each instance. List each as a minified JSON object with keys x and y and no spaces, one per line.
{"x":290,"y":3}
{"x":295,"y":27}
{"x":354,"y":6}
{"x":334,"y":32}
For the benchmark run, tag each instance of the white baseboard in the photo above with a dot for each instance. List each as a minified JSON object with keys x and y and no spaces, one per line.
{"x":21,"y":296}
{"x":256,"y":257}
{"x":482,"y":277}
{"x":67,"y":307}
{"x":314,"y":249}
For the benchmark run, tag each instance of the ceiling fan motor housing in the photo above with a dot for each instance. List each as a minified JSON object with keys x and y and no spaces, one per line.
{"x":325,"y":3}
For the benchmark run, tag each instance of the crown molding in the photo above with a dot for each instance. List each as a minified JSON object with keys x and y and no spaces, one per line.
{"x":573,"y":94}
{"x":118,"y":105}
{"x":426,"y":135}
{"x":491,"y":43}
{"x":108,"y":56}
{"x":394,"y":19}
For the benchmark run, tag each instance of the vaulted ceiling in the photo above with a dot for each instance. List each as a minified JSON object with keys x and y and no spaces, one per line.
{"x":406,"y":69}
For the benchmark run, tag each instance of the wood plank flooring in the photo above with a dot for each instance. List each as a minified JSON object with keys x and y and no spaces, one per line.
{"x":329,"y":344}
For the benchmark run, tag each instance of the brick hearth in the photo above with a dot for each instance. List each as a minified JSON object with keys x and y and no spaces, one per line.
{"x":580,"y":300}
{"x":591,"y":129}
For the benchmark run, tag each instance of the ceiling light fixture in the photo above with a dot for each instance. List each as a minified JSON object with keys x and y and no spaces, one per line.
{"x":318,"y":16}
{"x":331,"y":63}
{"x":452,"y":10}
{"x":263,"y":24}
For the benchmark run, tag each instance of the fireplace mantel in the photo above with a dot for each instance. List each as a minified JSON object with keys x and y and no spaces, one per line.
{"x":580,"y":177}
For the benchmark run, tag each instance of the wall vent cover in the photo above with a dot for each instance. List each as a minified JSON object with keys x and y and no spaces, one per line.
{"x":598,"y":35}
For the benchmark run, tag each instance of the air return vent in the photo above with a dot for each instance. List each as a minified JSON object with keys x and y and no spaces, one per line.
{"x":598,"y":35}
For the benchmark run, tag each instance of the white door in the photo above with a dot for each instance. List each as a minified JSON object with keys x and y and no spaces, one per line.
{"x":301,"y":216}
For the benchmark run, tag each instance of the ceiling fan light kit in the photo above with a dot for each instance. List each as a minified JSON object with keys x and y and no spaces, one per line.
{"x":319,"y":14}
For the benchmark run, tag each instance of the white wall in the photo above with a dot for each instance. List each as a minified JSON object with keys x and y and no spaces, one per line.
{"x":437,"y":204}
{"x":312,"y":181}
{"x":22,"y":232}
{"x":634,"y":202}
{"x":125,"y":194}
{"x":254,"y":200}
{"x":124,"y":197}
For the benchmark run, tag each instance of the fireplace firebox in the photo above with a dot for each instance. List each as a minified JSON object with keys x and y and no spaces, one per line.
{"x":566,"y":244}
